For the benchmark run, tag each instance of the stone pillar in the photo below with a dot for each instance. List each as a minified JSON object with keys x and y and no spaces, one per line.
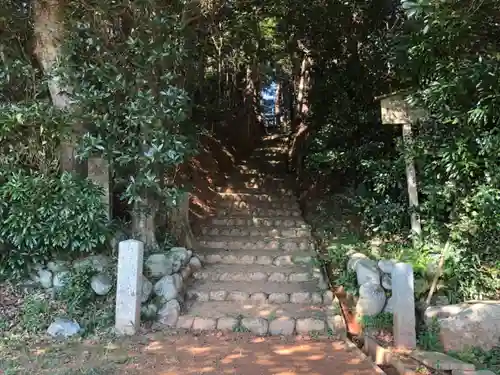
{"x":98,"y":172}
{"x":129,"y":286}
{"x":403,"y":306}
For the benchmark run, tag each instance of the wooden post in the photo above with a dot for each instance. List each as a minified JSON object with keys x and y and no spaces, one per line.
{"x":395,"y":110}
{"x":411,"y":178}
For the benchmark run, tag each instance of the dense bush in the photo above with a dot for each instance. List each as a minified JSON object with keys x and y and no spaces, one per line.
{"x":43,"y":216}
{"x":446,"y":53}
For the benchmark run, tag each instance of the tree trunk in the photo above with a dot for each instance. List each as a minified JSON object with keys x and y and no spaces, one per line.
{"x":300,"y":127}
{"x":143,"y":222}
{"x":49,"y":36}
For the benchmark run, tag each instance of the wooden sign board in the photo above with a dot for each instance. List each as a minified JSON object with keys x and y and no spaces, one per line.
{"x":395,"y":110}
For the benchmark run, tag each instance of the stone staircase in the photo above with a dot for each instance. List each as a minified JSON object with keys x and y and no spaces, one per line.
{"x":258,"y":257}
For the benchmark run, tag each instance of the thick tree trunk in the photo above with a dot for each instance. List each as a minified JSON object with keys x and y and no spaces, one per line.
{"x":49,"y":35}
{"x":300,"y":126}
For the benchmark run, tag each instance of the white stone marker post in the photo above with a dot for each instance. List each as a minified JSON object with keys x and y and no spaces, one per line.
{"x":404,"y":306}
{"x":129,"y":286}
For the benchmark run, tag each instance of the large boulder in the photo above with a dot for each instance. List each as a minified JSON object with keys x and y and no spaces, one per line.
{"x":386,"y":265}
{"x":367,"y":272}
{"x":371,"y":299}
{"x":159,"y":264}
{"x":468,"y":325}
{"x":165,"y":287}
{"x":354,"y":258}
{"x":169,"y":313}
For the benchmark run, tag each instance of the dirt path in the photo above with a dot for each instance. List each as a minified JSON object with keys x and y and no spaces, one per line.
{"x":189,"y":354}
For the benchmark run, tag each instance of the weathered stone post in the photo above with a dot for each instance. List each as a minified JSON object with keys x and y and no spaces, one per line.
{"x":403,"y":296}
{"x":129,"y":286}
{"x":395,"y":110}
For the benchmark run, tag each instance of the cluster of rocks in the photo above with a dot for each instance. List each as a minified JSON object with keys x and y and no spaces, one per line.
{"x":375,"y":284}
{"x":54,"y":276}
{"x":163,"y":283}
{"x":163,"y":293}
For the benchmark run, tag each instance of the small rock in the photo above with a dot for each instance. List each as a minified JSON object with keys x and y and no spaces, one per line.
{"x":147,"y":289}
{"x":195,"y":263}
{"x":169,"y":313}
{"x":371,"y":299}
{"x":282,"y":326}
{"x":158,"y":265}
{"x":189,"y":255}
{"x":386,"y":282}
{"x":165,"y":287}
{"x":149,"y":311}
{"x":258,"y":326}
{"x":57,"y":266}
{"x":101,"y":284}
{"x":367,"y":271}
{"x":386,"y":265}
{"x":61,"y":279}
{"x":63,"y":328}
{"x":45,"y":278}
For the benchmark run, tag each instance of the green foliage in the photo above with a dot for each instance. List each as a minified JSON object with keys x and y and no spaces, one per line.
{"x":125,"y":69}
{"x":482,"y":359}
{"x":77,"y":293}
{"x":382,"y":321}
{"x":36,"y":313}
{"x":43,"y":216}
{"x":428,"y":337}
{"x":349,"y":281}
{"x":446,"y":52}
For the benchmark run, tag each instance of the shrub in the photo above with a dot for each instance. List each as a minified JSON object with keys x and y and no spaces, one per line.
{"x":42,"y":216}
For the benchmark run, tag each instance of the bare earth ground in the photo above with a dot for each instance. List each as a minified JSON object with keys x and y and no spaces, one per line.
{"x":187,"y":354}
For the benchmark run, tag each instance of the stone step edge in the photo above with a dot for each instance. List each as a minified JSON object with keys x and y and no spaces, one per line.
{"x":332,"y":325}
{"x":218,"y":256}
{"x":217,"y":294}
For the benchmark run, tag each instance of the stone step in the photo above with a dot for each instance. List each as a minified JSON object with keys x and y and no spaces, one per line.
{"x":262,"y":319}
{"x":276,"y":192}
{"x":266,"y":212}
{"x":252,"y":197}
{"x":257,"y":292}
{"x":256,"y":243}
{"x":275,"y":204}
{"x":276,"y":222}
{"x":254,"y":272}
{"x":262,"y":257}
{"x":255,"y":231}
